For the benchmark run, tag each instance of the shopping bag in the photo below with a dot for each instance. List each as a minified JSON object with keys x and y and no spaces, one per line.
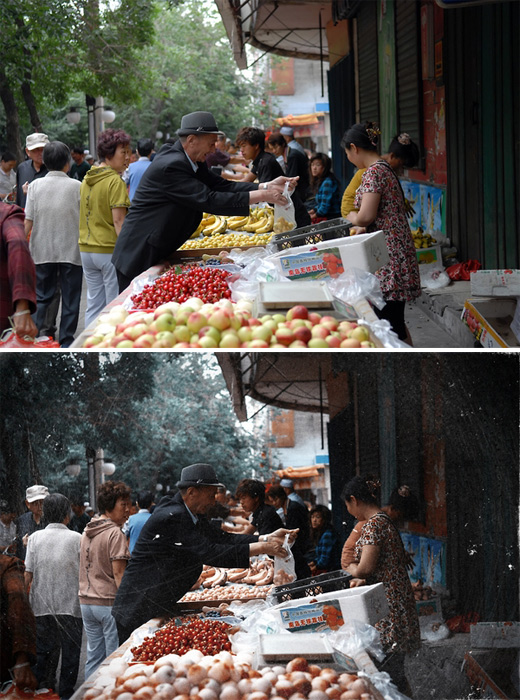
{"x":462,"y":271}
{"x":284,"y":567}
{"x":10,"y":340}
{"x":284,"y":217}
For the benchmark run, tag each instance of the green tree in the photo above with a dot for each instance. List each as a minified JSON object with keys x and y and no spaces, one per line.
{"x":151,"y":413}
{"x":190,"y":67}
{"x":50,"y":47}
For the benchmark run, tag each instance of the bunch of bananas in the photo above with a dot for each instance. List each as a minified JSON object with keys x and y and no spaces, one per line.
{"x":421,"y":239}
{"x":260,"y":220}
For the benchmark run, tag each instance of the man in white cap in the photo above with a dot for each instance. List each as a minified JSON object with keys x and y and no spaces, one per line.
{"x":31,"y":521}
{"x":175,"y":542}
{"x":32,"y":168}
{"x":288,"y":487}
{"x":173,"y":193}
{"x":288,"y":133}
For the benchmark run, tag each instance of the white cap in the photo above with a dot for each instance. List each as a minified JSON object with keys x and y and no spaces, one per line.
{"x":36,"y":493}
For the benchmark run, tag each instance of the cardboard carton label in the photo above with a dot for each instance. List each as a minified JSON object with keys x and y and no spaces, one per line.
{"x":315,"y":617}
{"x":313,"y":264}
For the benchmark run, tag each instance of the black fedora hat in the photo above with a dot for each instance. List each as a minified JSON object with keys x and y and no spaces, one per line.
{"x":198,"y":123}
{"x":198,"y":475}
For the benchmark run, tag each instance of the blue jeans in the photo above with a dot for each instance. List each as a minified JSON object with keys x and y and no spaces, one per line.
{"x":102,"y":638}
{"x":69,"y":280}
{"x":102,"y":286}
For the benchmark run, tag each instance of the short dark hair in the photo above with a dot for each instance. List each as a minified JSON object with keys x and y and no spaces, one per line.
{"x":56,"y":155}
{"x":108,"y":494}
{"x":405,"y":149}
{"x":56,"y":506}
{"x":276,"y":139}
{"x":252,"y":488}
{"x":364,"y":136}
{"x":144,"y":499}
{"x":109,"y":140}
{"x":78,"y":149}
{"x":403,"y":500}
{"x":6,"y":507}
{"x":7,"y":156}
{"x":364,"y":488}
{"x":277,"y":492}
{"x":145,"y":147}
{"x":251,"y":135}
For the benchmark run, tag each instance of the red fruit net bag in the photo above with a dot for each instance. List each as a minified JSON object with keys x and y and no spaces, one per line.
{"x":10,"y":340}
{"x":10,"y":691}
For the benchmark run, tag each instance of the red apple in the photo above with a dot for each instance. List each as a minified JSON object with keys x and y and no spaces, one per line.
{"x":144,"y":341}
{"x":303,"y":334}
{"x":285,"y":336}
{"x":207,"y":342}
{"x":314,"y":317}
{"x":350,"y":343}
{"x":333,"y":341}
{"x":219,"y":319}
{"x":319,"y":331}
{"x":297,"y":312}
{"x":196,"y":321}
{"x":262,"y":332}
{"x":164,"y":322}
{"x":317,"y":343}
{"x":133,"y":332}
{"x":298,"y":344}
{"x":257,"y":343}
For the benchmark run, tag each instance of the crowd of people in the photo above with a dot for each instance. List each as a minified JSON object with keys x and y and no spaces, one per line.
{"x":105,"y":222}
{"x":64,"y":572}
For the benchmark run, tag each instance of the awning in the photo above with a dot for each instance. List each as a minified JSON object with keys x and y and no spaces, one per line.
{"x":293,"y":28}
{"x":300,"y":119}
{"x":297,"y":472}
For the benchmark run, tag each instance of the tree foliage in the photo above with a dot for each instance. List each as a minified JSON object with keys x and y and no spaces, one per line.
{"x":52,"y":47}
{"x":151,"y":413}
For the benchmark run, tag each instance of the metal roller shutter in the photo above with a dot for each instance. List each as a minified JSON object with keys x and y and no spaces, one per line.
{"x":408,"y":70}
{"x":367,"y":62}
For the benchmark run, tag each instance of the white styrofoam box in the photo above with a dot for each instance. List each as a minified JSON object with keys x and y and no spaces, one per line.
{"x":331,"y":610}
{"x":284,"y":647}
{"x":366,"y":251}
{"x":495,"y":634}
{"x":495,"y":283}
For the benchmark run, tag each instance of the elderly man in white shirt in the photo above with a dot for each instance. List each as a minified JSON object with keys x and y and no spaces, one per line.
{"x":52,"y":572}
{"x":52,"y":221}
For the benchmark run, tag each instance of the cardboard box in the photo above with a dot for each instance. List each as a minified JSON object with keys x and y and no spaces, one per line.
{"x":497,"y":635}
{"x":490,"y":321}
{"x":329,"y":611}
{"x":495,"y":283}
{"x":366,"y":251}
{"x":429,"y":256}
{"x":425,"y":608}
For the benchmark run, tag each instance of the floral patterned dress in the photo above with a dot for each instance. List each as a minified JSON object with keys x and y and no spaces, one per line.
{"x":399,"y":631}
{"x":399,"y":278}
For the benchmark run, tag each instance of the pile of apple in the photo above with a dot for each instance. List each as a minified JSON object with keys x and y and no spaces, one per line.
{"x":223,"y":324}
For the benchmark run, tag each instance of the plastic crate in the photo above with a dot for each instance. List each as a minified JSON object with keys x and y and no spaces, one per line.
{"x":307,"y":235}
{"x":323,"y":583}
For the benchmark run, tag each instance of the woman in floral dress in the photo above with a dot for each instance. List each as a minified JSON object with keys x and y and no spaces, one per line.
{"x":381,"y":558}
{"x":380,"y":205}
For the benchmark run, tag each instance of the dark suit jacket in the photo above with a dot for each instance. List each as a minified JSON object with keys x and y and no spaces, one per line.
{"x":168,"y":206}
{"x":167,"y":560}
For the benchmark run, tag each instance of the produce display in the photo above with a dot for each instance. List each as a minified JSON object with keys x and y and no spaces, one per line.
{"x":235,"y":591}
{"x":208,"y":636}
{"x":182,"y":283}
{"x":219,"y":231}
{"x":259,"y":573}
{"x":194,"y":324}
{"x":422,"y":592}
{"x":225,"y":676}
{"x":421,"y":239}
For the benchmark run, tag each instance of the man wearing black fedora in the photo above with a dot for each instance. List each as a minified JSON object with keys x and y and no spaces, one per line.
{"x":173,"y":194}
{"x":174,"y":543}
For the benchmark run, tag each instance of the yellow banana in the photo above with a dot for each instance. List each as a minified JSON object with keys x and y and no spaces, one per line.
{"x":235,"y":225}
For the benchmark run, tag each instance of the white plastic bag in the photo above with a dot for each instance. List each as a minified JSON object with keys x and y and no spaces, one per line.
{"x":284,"y":568}
{"x":284,"y":218}
{"x":355,"y":284}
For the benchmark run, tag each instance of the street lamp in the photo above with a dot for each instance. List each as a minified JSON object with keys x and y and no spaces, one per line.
{"x":97,"y":116}
{"x":97,"y":468}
